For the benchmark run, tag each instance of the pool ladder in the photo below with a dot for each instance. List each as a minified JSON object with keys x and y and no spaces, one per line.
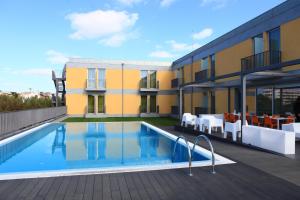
{"x":191,"y":152}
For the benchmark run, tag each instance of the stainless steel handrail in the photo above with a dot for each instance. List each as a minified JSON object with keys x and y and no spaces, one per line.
{"x":197,"y":139}
{"x":189,"y":152}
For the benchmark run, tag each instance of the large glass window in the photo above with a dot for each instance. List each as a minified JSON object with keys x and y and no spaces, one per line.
{"x":264,"y":101}
{"x":143,"y":104}
{"x":274,"y":44}
{"x":101,"y":78}
{"x":91,"y":78}
{"x":152,"y":79}
{"x":101,"y":105}
{"x":204,"y":63}
{"x":144,"y":74}
{"x":91,"y":104}
{"x":212,"y":65}
{"x":258,"y":48}
{"x":152,"y":104}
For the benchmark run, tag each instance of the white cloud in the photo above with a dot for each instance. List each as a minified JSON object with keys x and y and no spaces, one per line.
{"x":176,"y":46}
{"x":118,"y":39}
{"x":216,"y":4}
{"x":205,"y":33}
{"x":111,"y":26}
{"x":161,"y":54}
{"x":129,"y":2}
{"x":55,"y":57}
{"x":166,"y":3}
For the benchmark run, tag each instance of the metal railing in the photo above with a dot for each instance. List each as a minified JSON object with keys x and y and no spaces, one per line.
{"x":96,"y":84}
{"x":189,"y":152}
{"x":145,"y":84}
{"x":197,"y":139}
{"x":255,"y":61}
{"x":201,"y":75}
{"x":14,"y":121}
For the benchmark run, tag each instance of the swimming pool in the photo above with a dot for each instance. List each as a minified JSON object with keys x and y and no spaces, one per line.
{"x":75,"y":148}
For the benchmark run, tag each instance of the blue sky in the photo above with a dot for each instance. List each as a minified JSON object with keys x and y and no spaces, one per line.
{"x":38,"y":36}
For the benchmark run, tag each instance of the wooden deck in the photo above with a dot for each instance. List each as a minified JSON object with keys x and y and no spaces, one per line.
{"x":236,"y":181}
{"x":256,"y":175}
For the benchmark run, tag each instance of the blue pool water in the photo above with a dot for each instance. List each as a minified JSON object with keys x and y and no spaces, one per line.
{"x":63,"y":146}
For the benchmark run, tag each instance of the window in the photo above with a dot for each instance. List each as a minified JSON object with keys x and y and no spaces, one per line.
{"x":204,"y":63}
{"x":258,"y":44}
{"x":101,"y":105}
{"x":274,"y":45}
{"x":212,"y":65}
{"x":101,"y":78}
{"x":91,"y":104}
{"x":152,"y":79}
{"x":144,"y":74}
{"x":91,"y":78}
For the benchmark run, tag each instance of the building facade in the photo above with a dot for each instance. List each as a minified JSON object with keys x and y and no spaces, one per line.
{"x":210,"y":77}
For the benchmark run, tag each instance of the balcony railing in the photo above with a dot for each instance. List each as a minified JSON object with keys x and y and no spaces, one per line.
{"x":143,"y":109}
{"x":201,"y":75}
{"x":95,"y":84}
{"x":251,"y":63}
{"x":144,"y":84}
{"x":174,"y":110}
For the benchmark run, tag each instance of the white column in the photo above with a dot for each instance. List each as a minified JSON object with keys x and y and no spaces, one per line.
{"x":180,"y":103}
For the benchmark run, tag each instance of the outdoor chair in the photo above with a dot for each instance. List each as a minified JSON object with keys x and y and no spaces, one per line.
{"x":255,"y":121}
{"x":268,"y":122}
{"x":234,"y":128}
{"x":211,"y":123}
{"x":188,"y":119}
{"x":290,"y":119}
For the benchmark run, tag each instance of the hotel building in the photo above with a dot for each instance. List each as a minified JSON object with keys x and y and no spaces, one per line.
{"x":263,"y":53}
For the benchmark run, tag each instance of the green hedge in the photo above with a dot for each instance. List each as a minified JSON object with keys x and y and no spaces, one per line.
{"x":15,"y":102}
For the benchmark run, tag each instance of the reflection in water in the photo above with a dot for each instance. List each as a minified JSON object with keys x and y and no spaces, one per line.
{"x":59,"y":140}
{"x":148,"y":142}
{"x":95,"y":141}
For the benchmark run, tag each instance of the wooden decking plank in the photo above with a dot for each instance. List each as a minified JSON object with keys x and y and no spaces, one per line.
{"x":63,"y":188}
{"x":106,"y":187}
{"x":17,"y":189}
{"x":134,"y":194}
{"x":123,"y":187}
{"x":70,"y":191}
{"x":54,"y":188}
{"x":155,"y":184}
{"x":149,"y":187}
{"x":140,"y":186}
{"x":89,"y":187}
{"x":98,"y":187}
{"x":114,"y":187}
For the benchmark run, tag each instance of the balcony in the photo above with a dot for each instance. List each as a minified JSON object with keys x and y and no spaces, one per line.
{"x":149,"y":86}
{"x":201,"y":75}
{"x":94,"y":85}
{"x":254,"y":62}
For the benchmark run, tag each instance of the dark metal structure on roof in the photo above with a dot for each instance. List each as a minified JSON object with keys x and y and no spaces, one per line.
{"x":60,"y":86}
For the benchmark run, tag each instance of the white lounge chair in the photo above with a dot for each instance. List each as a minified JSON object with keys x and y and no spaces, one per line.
{"x":188,"y":119}
{"x":293,"y":127}
{"x":234,"y":128}
{"x":211,"y":122}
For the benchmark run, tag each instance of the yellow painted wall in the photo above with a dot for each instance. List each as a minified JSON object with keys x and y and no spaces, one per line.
{"x":113,"y":78}
{"x":131,"y":79}
{"x":187,"y":103}
{"x":76,"y":78}
{"x":113,"y":103}
{"x":132,"y":104}
{"x":229,"y":60}
{"x":290,"y":40}
{"x":221,"y":101}
{"x":76,"y":104}
{"x":251,"y":100}
{"x":164,"y":78}
{"x":187,"y":73}
{"x":165,"y":102}
{"x":196,"y":66}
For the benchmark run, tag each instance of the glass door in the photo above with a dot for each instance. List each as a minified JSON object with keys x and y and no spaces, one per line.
{"x":91,"y":104}
{"x":143,"y":83}
{"x":143,"y":108}
{"x":101,"y":106}
{"x":274,"y":44}
{"x":258,"y":48}
{"x":152,"y":104}
{"x":101,"y":78}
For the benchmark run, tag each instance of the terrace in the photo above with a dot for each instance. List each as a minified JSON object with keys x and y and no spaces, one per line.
{"x":278,"y":178}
